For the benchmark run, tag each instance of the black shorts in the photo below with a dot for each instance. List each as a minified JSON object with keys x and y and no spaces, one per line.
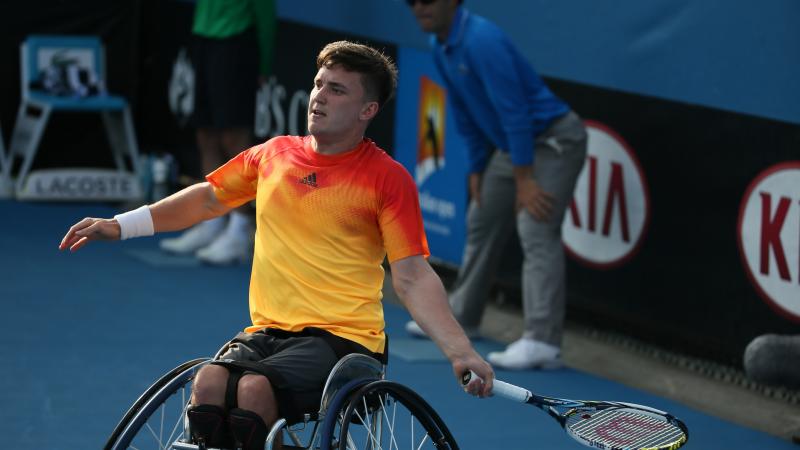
{"x":297,"y":364}
{"x":226,"y":80}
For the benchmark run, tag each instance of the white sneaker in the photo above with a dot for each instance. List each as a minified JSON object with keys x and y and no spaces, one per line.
{"x":235,"y":244}
{"x":527,"y":354}
{"x":194,"y":238}
{"x":415,"y":330}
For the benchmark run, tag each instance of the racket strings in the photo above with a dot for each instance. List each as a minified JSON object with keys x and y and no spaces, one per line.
{"x":624,"y":428}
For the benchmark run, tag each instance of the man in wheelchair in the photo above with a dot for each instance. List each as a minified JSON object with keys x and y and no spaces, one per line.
{"x":330,"y":207}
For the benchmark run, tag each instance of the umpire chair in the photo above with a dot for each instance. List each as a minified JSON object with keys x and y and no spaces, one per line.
{"x":78,"y":87}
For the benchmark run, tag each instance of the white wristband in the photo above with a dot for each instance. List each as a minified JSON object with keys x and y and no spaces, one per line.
{"x":135,"y":223}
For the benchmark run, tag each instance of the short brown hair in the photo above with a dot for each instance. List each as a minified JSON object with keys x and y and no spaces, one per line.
{"x":378,"y":71}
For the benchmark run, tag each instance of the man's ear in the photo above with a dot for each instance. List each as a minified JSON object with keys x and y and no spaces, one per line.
{"x":369,"y":110}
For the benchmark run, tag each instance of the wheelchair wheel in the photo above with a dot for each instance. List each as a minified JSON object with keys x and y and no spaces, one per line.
{"x":383,"y":415}
{"x":156,"y":419}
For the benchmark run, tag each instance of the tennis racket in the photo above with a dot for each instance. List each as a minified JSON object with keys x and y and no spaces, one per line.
{"x":600,"y":424}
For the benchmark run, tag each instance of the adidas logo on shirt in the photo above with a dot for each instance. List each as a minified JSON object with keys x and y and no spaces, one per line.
{"x":310,"y":180}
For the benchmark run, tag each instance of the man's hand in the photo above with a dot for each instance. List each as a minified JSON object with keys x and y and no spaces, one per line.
{"x":478,"y":388}
{"x":475,"y":187}
{"x":532,"y":198}
{"x":90,"y":229}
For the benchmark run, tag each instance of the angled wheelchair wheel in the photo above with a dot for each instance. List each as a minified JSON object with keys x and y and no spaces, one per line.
{"x":383,"y":415}
{"x":156,"y":419}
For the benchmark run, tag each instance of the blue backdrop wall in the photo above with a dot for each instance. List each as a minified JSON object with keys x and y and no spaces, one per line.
{"x":735,"y":55}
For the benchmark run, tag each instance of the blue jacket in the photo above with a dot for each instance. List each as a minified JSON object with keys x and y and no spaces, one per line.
{"x":498,"y":98}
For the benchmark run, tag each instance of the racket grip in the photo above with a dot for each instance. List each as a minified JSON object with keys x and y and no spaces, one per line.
{"x":501,"y":388}
{"x":511,"y":392}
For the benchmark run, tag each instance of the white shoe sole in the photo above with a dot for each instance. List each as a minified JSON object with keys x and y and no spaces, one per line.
{"x":416,"y":331}
{"x":241,"y":259}
{"x":549,"y":364}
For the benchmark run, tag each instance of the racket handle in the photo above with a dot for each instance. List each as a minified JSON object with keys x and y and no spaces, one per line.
{"x":501,"y":388}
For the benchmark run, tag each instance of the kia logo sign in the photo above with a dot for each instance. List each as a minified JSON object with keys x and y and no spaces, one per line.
{"x":769,"y":237}
{"x":607,"y":219}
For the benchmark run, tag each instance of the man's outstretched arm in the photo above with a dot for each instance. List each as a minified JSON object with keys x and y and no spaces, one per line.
{"x":421,"y":291}
{"x":178,"y":211}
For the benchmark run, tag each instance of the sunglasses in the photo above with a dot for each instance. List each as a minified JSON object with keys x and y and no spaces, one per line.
{"x":414,"y":2}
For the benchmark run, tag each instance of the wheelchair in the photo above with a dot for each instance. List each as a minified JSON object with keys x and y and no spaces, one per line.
{"x":359,"y":409}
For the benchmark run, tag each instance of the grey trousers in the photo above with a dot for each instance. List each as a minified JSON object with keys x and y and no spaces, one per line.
{"x":560,"y":154}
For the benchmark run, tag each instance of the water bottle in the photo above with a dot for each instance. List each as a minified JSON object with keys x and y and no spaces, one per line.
{"x":160,"y":169}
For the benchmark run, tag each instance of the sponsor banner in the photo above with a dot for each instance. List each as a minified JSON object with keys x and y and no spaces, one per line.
{"x":684,"y":226}
{"x":769,"y":237}
{"x":608,"y":216}
{"x":428,"y":145}
{"x":81,"y":184}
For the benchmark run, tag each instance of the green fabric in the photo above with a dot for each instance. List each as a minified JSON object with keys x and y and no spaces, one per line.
{"x":219,"y":19}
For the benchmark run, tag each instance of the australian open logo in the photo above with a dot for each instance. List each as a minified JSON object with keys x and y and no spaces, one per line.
{"x":430,"y":130}
{"x":181,"y":88}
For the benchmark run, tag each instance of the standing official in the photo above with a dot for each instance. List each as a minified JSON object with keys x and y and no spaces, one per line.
{"x":526,"y":149}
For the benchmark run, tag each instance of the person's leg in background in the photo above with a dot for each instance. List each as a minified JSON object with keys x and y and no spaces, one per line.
{"x":233,"y":101}
{"x":235,"y":242}
{"x":226,"y":83}
{"x":560,"y":155}
{"x":208,"y":143}
{"x":488,"y":229}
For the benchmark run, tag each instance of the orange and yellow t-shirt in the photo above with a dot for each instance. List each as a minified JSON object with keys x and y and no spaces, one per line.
{"x":324,"y":225}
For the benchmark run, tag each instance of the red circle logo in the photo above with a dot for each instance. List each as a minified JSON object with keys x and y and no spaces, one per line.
{"x":610,"y":210}
{"x":769,"y":237}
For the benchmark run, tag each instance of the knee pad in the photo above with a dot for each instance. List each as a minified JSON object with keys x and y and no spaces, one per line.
{"x":248,"y":429}
{"x":207,"y":424}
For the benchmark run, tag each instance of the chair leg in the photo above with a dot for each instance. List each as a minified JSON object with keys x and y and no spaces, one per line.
{"x":114,"y":130}
{"x":25,"y":140}
{"x":122,"y":137}
{"x":133,"y":146}
{"x":130,"y":138}
{"x":6,"y":190}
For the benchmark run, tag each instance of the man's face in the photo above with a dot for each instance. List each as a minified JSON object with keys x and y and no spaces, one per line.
{"x":337,"y":103}
{"x":436,"y":16}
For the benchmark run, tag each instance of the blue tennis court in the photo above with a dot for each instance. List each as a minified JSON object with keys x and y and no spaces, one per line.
{"x":84,"y":334}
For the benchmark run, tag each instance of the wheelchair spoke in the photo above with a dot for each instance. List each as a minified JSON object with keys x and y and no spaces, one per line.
{"x":373,"y":421}
{"x":155,"y":438}
{"x":157,"y":419}
{"x":165,"y":416}
{"x":161,"y":427}
{"x":351,"y":443}
{"x":366,"y":428}
{"x":392,"y":440}
{"x":422,"y":442}
{"x":177,"y":423}
{"x":180,"y":418}
{"x":368,"y":425}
